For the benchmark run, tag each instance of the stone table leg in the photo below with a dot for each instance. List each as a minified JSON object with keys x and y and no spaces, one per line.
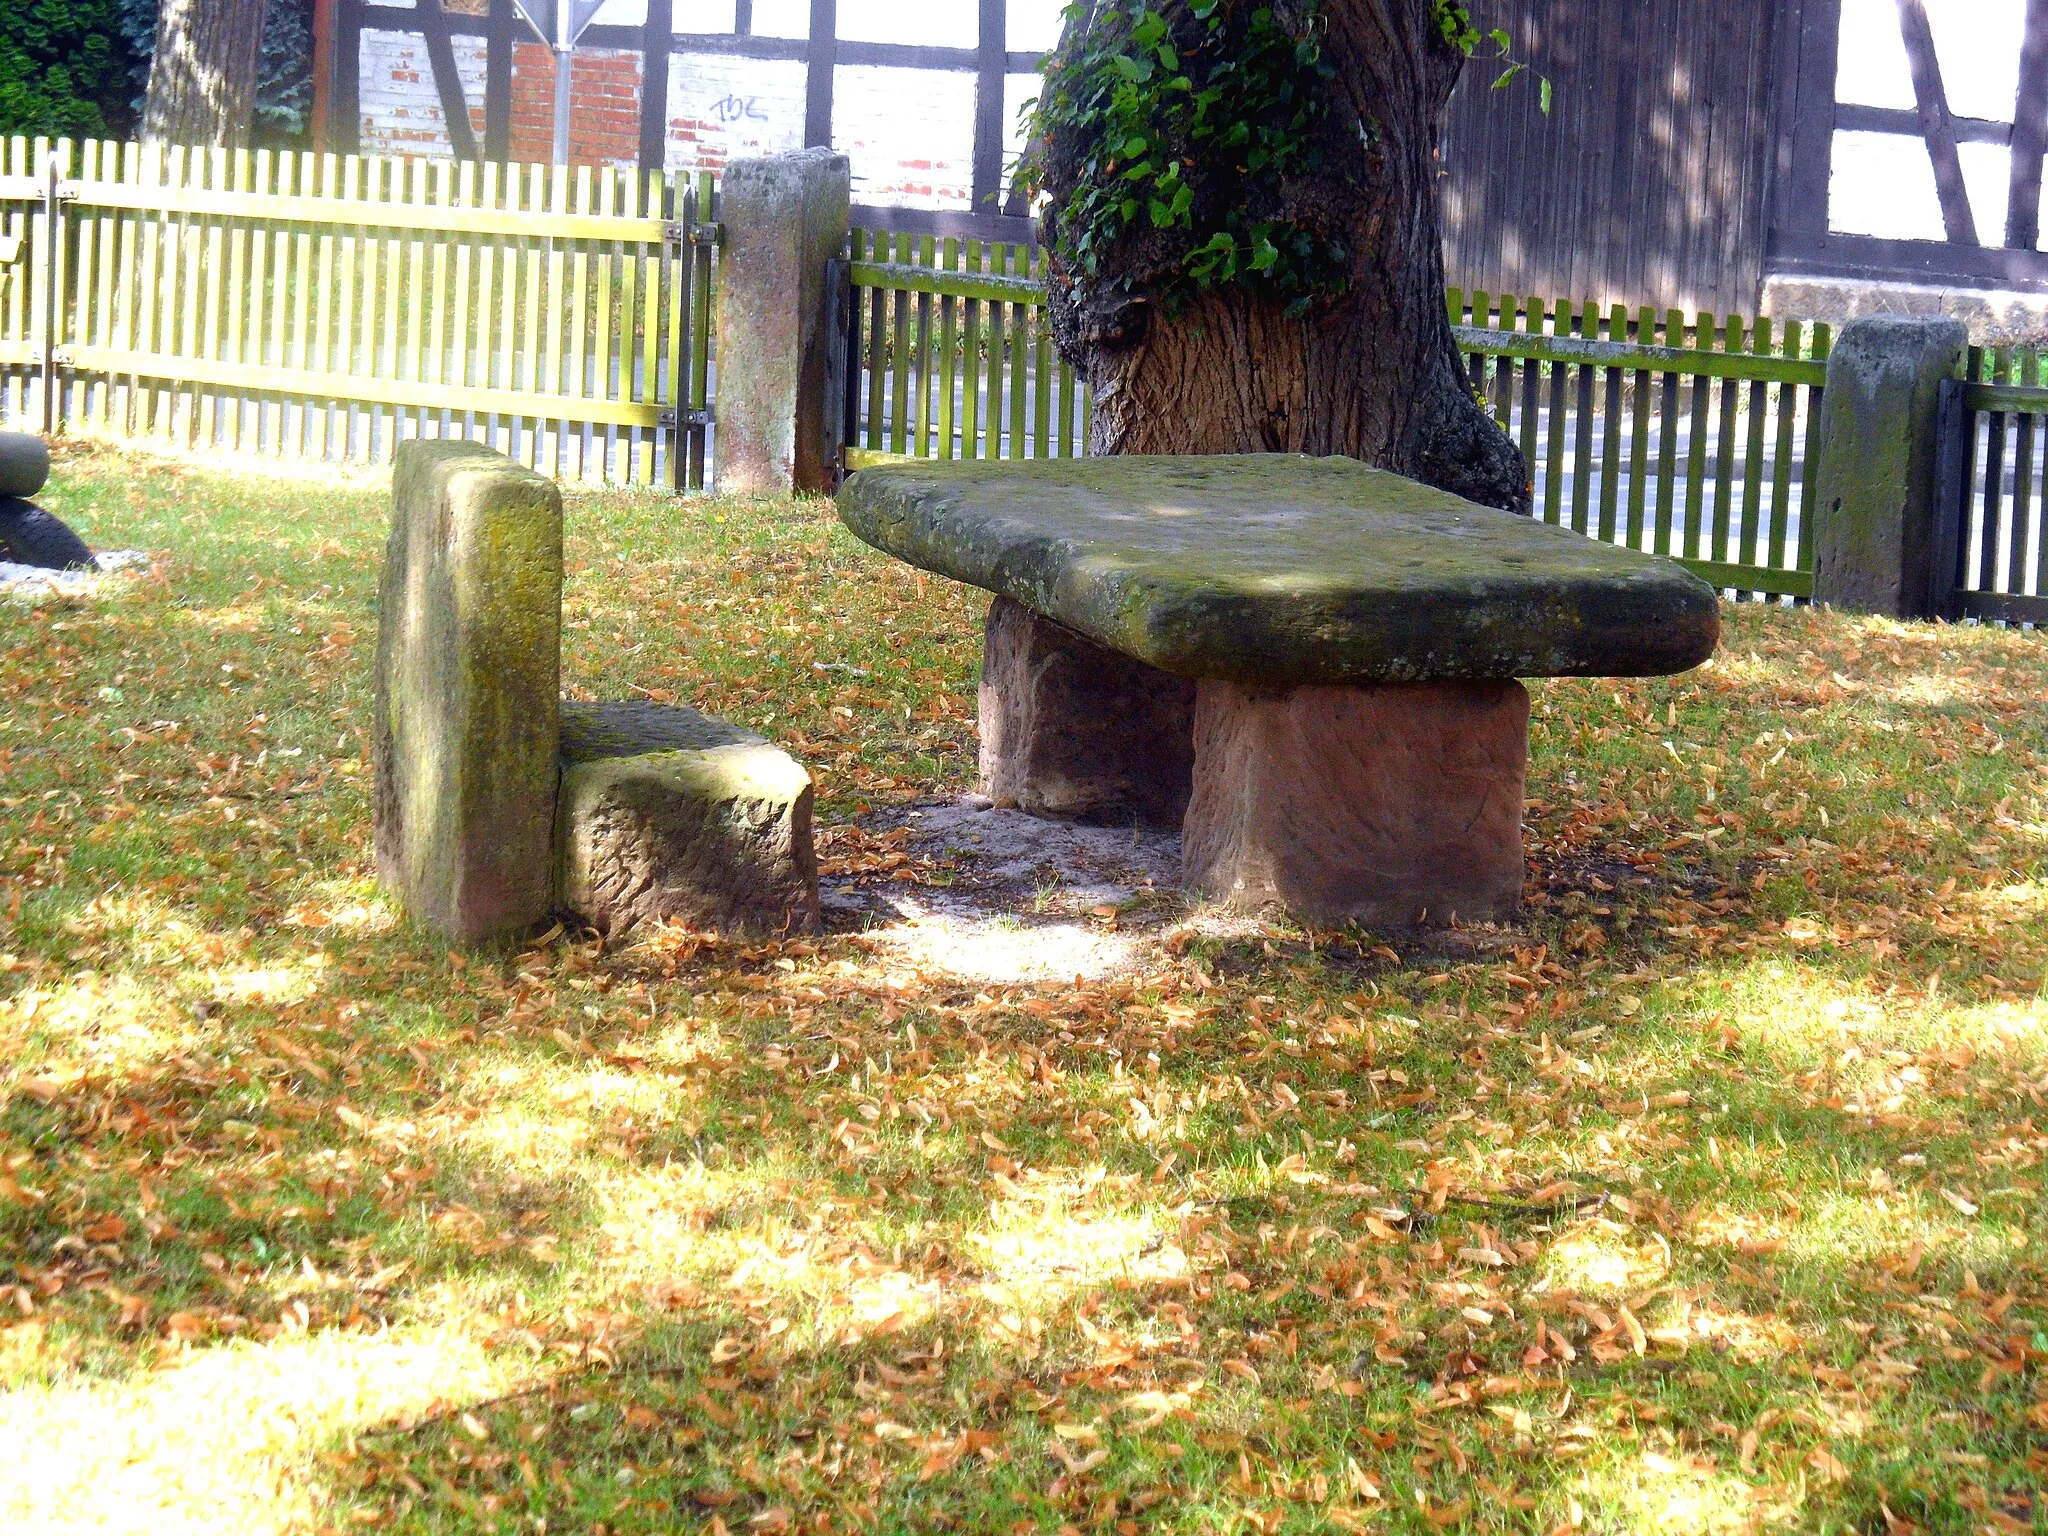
{"x":1389,"y":806}
{"x":1072,"y":730}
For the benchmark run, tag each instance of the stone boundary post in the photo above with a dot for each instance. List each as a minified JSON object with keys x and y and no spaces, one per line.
{"x":777,"y":418}
{"x":469,"y":687}
{"x":1875,"y":541}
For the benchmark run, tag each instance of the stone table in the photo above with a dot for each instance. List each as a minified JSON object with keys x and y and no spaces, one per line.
{"x":1313,"y":664}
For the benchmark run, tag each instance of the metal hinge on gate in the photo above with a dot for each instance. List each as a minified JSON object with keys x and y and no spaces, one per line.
{"x":672,"y":419}
{"x":693,"y":234}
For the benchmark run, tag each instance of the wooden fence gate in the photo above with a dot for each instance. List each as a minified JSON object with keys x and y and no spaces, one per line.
{"x":330,"y":306}
{"x":1991,"y":502}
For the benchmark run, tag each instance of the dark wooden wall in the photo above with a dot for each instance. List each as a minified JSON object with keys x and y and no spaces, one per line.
{"x":1649,"y":181}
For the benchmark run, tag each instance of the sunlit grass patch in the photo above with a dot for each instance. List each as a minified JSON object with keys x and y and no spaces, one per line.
{"x":107,"y":1023}
{"x":223,"y":1438}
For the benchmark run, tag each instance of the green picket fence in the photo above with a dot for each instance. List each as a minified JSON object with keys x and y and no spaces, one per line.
{"x":950,"y":354}
{"x":1685,"y":436}
{"x":1992,"y":486}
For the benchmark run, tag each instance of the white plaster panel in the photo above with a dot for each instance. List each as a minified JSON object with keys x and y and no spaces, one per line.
{"x":909,"y":134}
{"x":1017,"y":89}
{"x":722,"y":108}
{"x":1987,"y":175}
{"x":782,"y":18}
{"x":1870,"y":65}
{"x":1035,"y":25}
{"x":948,"y":24}
{"x":1977,"y":43}
{"x":1883,"y":184}
{"x":401,"y":110}
{"x":704,"y":15}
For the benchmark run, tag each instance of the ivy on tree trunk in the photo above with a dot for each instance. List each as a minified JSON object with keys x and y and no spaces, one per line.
{"x":202,"y":75}
{"x":1325,"y":330}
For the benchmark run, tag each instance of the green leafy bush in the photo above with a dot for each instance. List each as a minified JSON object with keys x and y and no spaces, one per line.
{"x":68,"y":68}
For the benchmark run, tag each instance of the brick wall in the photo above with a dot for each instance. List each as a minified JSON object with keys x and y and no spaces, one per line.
{"x":604,"y":115}
{"x":909,"y":133}
{"x":722,"y":108}
{"x":401,"y":110}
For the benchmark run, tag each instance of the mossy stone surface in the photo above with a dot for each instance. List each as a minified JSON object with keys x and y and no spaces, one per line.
{"x":467,"y":728}
{"x":634,"y":728}
{"x":1279,"y":569}
{"x":1873,"y":451}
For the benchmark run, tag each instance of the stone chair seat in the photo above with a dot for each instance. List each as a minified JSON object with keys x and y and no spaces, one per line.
{"x":1314,"y":665}
{"x":496,"y":801}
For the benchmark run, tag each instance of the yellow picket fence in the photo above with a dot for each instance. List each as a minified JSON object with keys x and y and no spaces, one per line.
{"x":332,"y":306}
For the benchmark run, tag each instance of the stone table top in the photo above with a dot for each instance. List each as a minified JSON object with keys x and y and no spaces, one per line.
{"x":1278,"y":569}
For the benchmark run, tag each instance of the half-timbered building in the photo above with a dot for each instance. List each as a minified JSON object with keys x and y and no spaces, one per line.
{"x":1828,"y":156}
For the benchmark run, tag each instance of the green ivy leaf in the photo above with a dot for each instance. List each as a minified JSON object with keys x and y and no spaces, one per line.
{"x":1218,"y":108}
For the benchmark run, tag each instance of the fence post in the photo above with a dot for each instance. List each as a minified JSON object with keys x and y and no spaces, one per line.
{"x":778,"y":422}
{"x":1954,"y":438}
{"x":50,"y":275}
{"x":1876,"y":543}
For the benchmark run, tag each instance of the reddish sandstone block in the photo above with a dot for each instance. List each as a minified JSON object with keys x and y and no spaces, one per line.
{"x":1389,"y":806}
{"x":1072,"y":730}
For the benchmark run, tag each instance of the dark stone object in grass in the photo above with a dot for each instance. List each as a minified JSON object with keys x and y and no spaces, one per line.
{"x":669,"y":815}
{"x":31,"y":536}
{"x":1277,"y":569}
{"x":24,"y":464}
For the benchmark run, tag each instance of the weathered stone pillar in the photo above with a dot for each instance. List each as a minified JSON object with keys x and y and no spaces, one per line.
{"x":468,"y":691}
{"x":1074,"y":730}
{"x":1874,"y":534}
{"x":1390,"y":806}
{"x":785,"y":219}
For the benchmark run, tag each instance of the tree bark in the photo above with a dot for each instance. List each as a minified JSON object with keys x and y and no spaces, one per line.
{"x":202,"y":77}
{"x":1374,"y":374}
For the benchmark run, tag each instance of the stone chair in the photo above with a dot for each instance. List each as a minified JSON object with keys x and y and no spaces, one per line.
{"x":496,"y":802}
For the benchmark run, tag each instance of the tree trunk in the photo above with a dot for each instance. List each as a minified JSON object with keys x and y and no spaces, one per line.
{"x":202,"y":78}
{"x":1373,"y":374}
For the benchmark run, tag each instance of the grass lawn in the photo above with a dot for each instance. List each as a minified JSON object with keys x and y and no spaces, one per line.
{"x":1709,"y":1200}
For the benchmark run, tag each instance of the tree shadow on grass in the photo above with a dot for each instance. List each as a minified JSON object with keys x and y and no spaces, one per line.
{"x":921,"y":1249}
{"x":1204,"y":1207}
{"x":1694,"y":1344}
